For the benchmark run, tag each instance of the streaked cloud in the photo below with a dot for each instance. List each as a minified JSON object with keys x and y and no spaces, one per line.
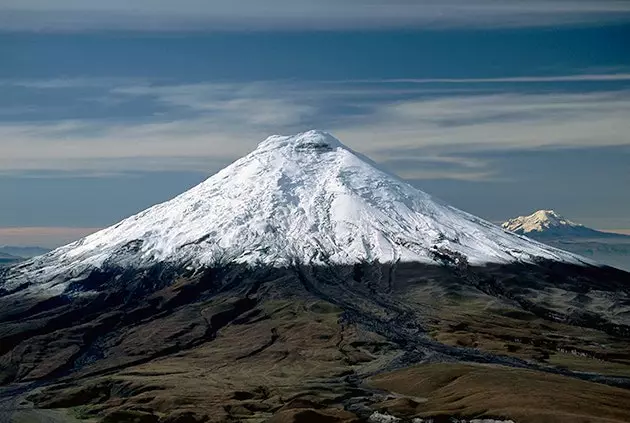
{"x":205,"y":126}
{"x":251,"y":103}
{"x":498,"y":122}
{"x":516,"y":79}
{"x":187,"y":15}
{"x":418,"y":166}
{"x":66,"y":83}
{"x":188,"y":92}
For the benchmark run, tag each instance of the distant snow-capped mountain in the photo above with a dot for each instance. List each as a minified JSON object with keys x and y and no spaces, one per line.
{"x":549,"y":227}
{"x":304,"y":199}
{"x":544,"y":224}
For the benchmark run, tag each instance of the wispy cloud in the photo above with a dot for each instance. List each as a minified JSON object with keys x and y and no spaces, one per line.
{"x":456,"y":141}
{"x":66,"y":83}
{"x":202,"y":127}
{"x":98,"y":146}
{"x":227,"y":120}
{"x":251,"y":103}
{"x":498,"y":122}
{"x":516,"y":79}
{"x":189,"y":15}
{"x":199,"y":93}
{"x":419,"y":167}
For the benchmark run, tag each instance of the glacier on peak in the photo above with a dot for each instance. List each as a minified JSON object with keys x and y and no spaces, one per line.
{"x":539,"y":221}
{"x":294,"y":199}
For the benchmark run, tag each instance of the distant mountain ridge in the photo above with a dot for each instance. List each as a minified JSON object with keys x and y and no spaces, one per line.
{"x":5,"y":256}
{"x":22,"y":252}
{"x":7,"y":259}
{"x":11,"y":254}
{"x":544,"y":224}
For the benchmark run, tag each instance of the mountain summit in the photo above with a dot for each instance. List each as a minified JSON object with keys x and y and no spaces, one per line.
{"x":295,"y":199}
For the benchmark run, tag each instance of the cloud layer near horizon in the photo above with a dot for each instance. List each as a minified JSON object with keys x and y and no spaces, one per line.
{"x":164,"y":15}
{"x":47,"y":237}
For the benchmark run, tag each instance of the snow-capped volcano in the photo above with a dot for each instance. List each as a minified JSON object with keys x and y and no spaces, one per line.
{"x":295,"y":199}
{"x":544,"y":224}
{"x":539,"y":221}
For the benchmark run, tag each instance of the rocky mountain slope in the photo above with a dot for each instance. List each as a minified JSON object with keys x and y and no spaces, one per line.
{"x":303,"y":284}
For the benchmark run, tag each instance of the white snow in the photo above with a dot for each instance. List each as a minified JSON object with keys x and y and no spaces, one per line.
{"x":303,"y":198}
{"x":538,"y":221}
{"x":377,"y":417}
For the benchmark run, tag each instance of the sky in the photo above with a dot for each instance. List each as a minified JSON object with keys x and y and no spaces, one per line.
{"x":498,"y":107}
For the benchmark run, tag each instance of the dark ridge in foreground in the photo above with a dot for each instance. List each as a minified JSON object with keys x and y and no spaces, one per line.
{"x":379,"y":318}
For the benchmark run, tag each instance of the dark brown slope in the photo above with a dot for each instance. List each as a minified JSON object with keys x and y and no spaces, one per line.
{"x":301,"y":344}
